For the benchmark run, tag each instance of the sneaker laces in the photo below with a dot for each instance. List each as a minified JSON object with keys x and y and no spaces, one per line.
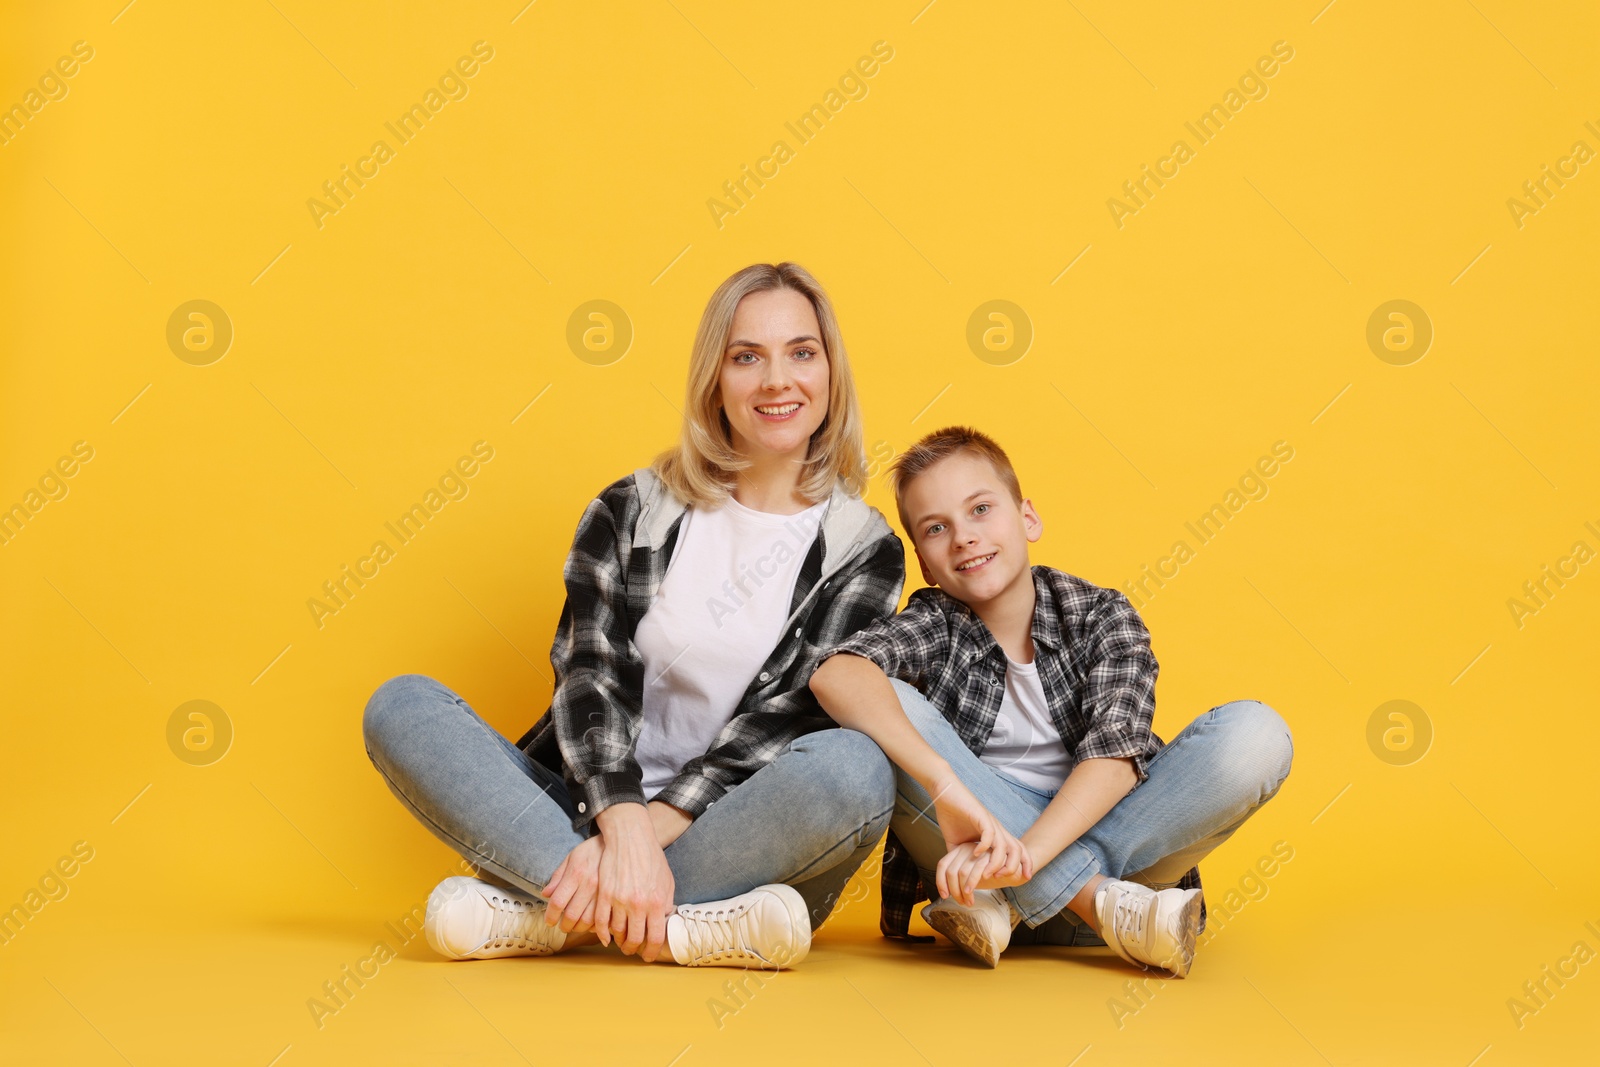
{"x":1128,"y":920}
{"x":713,"y":934}
{"x":511,"y":926}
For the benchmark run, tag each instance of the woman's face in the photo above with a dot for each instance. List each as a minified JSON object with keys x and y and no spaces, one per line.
{"x":774,"y":380}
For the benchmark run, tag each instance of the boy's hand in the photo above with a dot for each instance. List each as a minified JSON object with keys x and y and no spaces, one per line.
{"x":855,"y":691}
{"x":964,"y":821}
{"x":963,"y":818}
{"x":962,"y":872}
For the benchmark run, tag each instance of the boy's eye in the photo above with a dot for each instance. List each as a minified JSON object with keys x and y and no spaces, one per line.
{"x":980,"y":509}
{"x":935,"y":528}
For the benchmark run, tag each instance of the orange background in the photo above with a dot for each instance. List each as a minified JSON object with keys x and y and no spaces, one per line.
{"x":1167,"y":355}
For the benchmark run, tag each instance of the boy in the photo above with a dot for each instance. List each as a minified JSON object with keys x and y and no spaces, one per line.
{"x":1015,"y":702}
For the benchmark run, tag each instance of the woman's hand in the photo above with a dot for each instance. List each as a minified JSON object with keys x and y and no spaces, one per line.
{"x":669,"y":822}
{"x":635,"y":891}
{"x":571,"y":891}
{"x":963,"y":820}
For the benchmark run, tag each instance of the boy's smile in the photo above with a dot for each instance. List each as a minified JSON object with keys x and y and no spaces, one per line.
{"x":971,"y":537}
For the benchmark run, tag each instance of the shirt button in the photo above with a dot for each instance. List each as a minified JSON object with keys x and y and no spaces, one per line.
{"x":765,"y":676}
{"x":581,"y":807}
{"x":798,"y":630}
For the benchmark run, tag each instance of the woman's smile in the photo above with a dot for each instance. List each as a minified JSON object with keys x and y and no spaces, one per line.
{"x":779,"y":412}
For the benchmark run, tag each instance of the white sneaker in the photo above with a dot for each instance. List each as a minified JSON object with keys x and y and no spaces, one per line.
{"x":1149,"y":927}
{"x":766,"y":928}
{"x":468,"y":918}
{"x":983,"y":931}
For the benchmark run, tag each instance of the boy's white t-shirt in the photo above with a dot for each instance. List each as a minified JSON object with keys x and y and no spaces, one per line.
{"x":1025,"y":742}
{"x":718,"y":615}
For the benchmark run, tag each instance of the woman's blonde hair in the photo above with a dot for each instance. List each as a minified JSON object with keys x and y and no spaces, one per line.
{"x":704,"y":466}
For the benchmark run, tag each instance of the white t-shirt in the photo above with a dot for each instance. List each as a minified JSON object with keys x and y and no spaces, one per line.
{"x":1025,"y":743}
{"x":718,"y":615}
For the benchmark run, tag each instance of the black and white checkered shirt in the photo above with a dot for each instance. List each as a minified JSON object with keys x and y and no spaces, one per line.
{"x":852,"y":576}
{"x":1094,"y":661}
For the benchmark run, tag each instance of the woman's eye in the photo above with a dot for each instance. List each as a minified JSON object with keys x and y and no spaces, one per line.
{"x":804,"y":353}
{"x":740,"y":357}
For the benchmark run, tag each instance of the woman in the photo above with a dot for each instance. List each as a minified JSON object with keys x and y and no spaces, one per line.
{"x":684,"y":795}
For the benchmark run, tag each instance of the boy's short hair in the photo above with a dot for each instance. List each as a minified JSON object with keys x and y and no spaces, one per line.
{"x":941,"y":444}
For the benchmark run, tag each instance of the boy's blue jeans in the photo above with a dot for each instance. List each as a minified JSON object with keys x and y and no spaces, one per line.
{"x":1200,"y":788}
{"x":809,"y":818}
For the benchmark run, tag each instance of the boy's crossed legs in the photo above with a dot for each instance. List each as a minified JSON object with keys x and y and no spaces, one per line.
{"x":1201,"y":787}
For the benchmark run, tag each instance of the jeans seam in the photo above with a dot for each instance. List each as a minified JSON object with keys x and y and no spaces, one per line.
{"x":882,"y":816}
{"x":922,"y":815}
{"x":807,"y":871}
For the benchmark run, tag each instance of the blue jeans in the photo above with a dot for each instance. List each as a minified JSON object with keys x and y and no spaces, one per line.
{"x":809,"y":818}
{"x":1201,"y":787}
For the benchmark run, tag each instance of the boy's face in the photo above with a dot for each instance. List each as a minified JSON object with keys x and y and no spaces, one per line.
{"x":971,"y":537}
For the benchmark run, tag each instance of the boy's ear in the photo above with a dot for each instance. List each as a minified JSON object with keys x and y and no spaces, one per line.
{"x":1032,"y":524}
{"x":924,"y":567}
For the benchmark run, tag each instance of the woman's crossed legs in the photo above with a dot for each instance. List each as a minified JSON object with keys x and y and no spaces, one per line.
{"x":807,"y":820}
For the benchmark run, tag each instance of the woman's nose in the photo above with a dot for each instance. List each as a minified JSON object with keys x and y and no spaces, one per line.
{"x":776,"y":376}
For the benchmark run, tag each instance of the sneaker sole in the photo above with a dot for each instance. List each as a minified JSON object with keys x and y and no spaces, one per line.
{"x":442,"y":893}
{"x":799,"y":918}
{"x":963,"y":928}
{"x":1188,"y":930}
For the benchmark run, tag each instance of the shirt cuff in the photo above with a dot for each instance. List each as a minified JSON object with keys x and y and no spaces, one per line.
{"x":691,"y":793}
{"x":826,"y":655}
{"x":1115,"y":745}
{"x":862,"y":652}
{"x":603,"y":790}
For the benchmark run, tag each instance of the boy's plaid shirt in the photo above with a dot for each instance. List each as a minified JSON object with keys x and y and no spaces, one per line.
{"x":1095,"y":663}
{"x":852,"y":576}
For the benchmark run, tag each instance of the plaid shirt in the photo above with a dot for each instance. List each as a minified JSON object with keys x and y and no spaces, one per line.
{"x":1094,"y":661}
{"x":852,"y":576}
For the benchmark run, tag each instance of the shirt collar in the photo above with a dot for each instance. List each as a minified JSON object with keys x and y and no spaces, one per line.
{"x":848,"y":525}
{"x":1046,"y":621}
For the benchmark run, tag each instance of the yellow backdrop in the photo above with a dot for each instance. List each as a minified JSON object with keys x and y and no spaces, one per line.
{"x":1279,"y":308}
